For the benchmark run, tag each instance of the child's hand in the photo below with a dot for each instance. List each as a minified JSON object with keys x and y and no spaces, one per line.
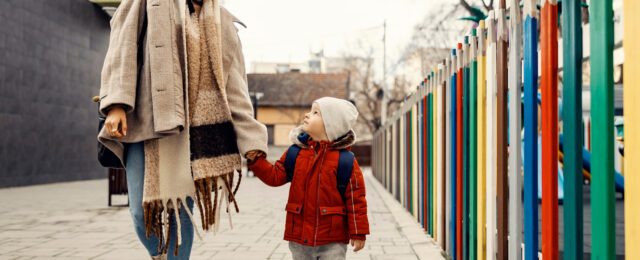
{"x":357,"y":244}
{"x":253,"y":154}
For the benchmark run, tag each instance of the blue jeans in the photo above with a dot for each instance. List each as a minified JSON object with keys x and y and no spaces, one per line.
{"x":135,"y":181}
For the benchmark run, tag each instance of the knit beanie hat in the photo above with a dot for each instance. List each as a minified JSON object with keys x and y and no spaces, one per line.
{"x":338,"y":115}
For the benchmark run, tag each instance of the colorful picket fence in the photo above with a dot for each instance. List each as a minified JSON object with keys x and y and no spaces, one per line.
{"x":462,"y":154}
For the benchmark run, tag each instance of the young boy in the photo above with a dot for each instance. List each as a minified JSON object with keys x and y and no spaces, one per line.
{"x":321,"y":220}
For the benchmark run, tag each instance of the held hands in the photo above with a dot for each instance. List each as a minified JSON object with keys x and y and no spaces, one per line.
{"x":253,"y":155}
{"x":116,"y":122}
{"x":357,"y":244}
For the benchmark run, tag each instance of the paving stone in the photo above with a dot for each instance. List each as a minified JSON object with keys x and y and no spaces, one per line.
{"x":78,"y":225}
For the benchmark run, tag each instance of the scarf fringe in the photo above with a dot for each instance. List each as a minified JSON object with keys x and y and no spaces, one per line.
{"x":157,"y":216}
{"x":159,"y":213}
{"x":222,"y":187}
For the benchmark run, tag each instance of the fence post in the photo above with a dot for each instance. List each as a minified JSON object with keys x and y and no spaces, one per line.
{"x":602,"y":185}
{"x":549,"y":104}
{"x":441,"y":158}
{"x":414,"y":154}
{"x":515,"y":140}
{"x":491,"y":137}
{"x":447,"y":153}
{"x":472,"y":101}
{"x":459,"y":150}
{"x":465,"y":148}
{"x":501,"y":132}
{"x":572,"y":128}
{"x":632,"y":128}
{"x":481,"y":146}
{"x":454,"y":154}
{"x":530,"y":43}
{"x":432,"y":149}
{"x":421,"y":148}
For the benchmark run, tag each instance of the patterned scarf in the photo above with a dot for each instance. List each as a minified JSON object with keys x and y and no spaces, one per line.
{"x":201,"y":159}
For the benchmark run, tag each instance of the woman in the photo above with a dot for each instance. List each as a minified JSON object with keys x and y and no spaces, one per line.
{"x":179,"y":116}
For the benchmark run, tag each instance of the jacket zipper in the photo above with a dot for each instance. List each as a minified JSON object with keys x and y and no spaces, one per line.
{"x":315,"y":235}
{"x":313,"y":162}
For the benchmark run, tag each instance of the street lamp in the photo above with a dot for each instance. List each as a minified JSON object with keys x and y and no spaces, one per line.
{"x":255,"y":96}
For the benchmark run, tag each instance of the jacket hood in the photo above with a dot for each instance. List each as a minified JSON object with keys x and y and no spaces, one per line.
{"x":300,"y":138}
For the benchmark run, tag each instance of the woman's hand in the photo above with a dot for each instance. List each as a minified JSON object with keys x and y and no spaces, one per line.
{"x":357,"y":244}
{"x":116,"y":122}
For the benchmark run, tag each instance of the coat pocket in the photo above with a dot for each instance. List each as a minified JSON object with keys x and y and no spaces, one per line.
{"x":294,"y":219}
{"x":338,"y":220}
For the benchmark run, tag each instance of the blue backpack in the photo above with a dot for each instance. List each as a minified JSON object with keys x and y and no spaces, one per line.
{"x":345,"y":164}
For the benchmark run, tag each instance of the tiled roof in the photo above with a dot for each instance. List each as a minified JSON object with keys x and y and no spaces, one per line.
{"x":297,"y":89}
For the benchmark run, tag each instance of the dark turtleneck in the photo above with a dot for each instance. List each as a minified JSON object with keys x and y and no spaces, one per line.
{"x":190,"y":4}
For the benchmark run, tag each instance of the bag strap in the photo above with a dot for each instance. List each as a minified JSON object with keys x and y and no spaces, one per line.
{"x":345,"y":169}
{"x":290,"y":161}
{"x":343,"y":175}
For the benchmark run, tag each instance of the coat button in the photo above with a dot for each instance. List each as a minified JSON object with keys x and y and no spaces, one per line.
{"x":297,"y":208}
{"x":305,"y":241}
{"x":324,"y":211}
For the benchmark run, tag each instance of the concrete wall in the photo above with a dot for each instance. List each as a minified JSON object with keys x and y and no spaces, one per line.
{"x":51,"y":54}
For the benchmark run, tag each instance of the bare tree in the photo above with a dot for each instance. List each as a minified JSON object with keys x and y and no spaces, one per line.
{"x":364,"y":90}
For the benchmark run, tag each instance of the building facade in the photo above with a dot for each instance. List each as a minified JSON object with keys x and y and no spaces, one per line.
{"x":51,"y":57}
{"x":286,"y":97}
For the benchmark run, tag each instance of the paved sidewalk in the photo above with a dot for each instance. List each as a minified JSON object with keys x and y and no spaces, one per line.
{"x":71,"y":221}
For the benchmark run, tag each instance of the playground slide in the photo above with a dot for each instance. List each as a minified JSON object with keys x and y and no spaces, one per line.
{"x":586,"y":169}
{"x":560,"y":173}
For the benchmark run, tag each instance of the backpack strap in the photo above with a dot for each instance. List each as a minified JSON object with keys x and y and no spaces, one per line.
{"x":343,"y":175}
{"x":345,"y":169}
{"x":290,"y":161}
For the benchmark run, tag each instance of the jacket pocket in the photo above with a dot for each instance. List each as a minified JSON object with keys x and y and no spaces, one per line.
{"x":294,"y":219}
{"x":338,"y":220}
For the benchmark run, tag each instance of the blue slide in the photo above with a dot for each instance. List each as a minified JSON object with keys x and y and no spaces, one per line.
{"x":586,"y":166}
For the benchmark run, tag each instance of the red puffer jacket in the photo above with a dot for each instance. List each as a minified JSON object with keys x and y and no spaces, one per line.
{"x":316,"y":213}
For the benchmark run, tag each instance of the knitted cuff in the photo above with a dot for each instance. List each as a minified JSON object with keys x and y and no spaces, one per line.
{"x":358,"y":237}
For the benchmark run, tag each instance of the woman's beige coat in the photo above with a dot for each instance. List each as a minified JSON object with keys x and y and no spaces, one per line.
{"x":156,"y":107}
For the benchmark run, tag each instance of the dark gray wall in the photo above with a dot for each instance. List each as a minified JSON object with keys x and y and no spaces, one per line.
{"x":51,"y":54}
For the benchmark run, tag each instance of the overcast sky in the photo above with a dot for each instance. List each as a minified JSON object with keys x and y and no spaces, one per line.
{"x":287,"y":30}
